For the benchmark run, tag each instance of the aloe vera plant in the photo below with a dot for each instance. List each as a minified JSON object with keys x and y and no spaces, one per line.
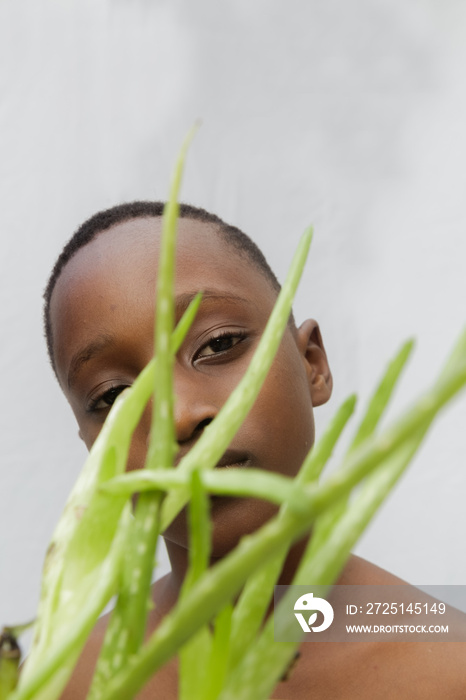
{"x":222,"y":609}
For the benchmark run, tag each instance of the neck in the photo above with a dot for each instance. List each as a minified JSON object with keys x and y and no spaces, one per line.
{"x":179,"y":560}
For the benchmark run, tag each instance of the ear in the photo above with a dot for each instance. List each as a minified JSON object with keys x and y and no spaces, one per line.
{"x":313,"y":352}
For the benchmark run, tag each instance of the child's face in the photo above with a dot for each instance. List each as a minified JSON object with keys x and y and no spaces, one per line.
{"x":102,"y":312}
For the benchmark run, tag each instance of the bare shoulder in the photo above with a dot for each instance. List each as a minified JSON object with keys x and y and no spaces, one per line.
{"x":327,"y":671}
{"x":80,"y":680}
{"x":419,"y":669}
{"x":379,"y":670}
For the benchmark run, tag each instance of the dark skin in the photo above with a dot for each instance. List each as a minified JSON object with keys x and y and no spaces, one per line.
{"x":102,"y":319}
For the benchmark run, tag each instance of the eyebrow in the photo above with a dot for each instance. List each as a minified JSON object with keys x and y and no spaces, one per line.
{"x":104,"y":340}
{"x":87,"y":353}
{"x":182,"y":301}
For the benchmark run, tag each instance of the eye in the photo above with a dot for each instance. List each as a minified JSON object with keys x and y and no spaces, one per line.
{"x":106,"y":399}
{"x":220,"y":343}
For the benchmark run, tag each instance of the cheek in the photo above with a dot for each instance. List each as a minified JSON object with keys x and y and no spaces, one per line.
{"x":88,"y":435}
{"x":283,"y":417}
{"x":139,"y":440}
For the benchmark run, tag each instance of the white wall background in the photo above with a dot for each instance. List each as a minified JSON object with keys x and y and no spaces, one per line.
{"x":349,"y":115}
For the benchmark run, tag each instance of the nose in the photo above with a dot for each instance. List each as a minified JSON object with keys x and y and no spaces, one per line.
{"x":193,"y":411}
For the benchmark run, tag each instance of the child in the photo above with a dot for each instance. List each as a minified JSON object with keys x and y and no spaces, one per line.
{"x":99,"y":326}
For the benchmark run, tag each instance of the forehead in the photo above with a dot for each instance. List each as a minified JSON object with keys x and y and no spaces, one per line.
{"x":109,"y":284}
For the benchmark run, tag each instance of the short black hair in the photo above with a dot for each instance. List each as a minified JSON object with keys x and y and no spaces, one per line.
{"x":107,"y":218}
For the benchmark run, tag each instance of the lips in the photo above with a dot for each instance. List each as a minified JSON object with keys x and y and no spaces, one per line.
{"x":233,"y":458}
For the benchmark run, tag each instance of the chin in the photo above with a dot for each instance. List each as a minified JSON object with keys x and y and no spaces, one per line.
{"x":233,"y":518}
